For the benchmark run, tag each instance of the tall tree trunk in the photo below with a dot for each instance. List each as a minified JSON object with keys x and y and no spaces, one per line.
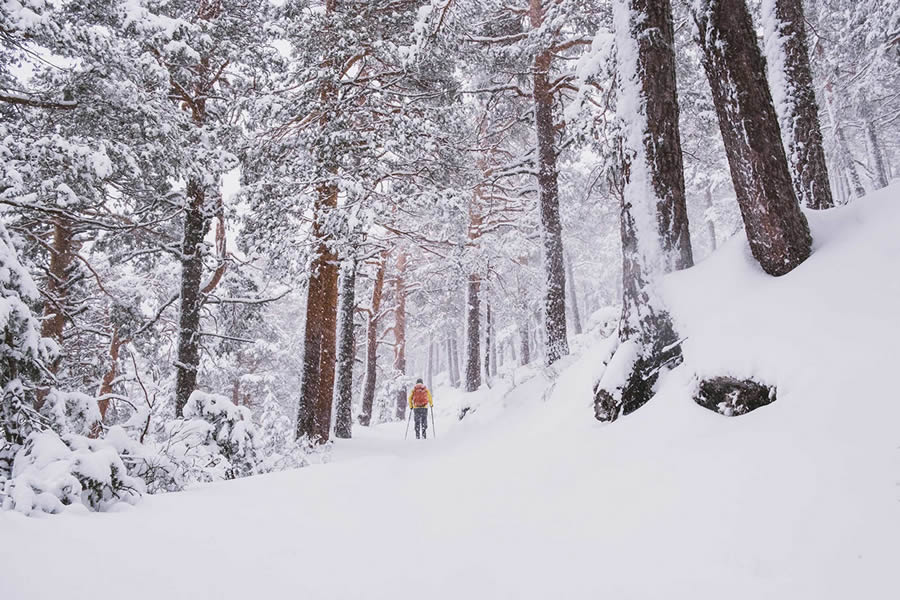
{"x":429,"y":373}
{"x":795,"y":100}
{"x":873,"y":148}
{"x":368,"y":397}
{"x":573,"y":296}
{"x":710,"y":225}
{"x":654,"y":227}
{"x":400,"y":333}
{"x":524,"y":343}
{"x":776,"y":228}
{"x":473,"y":333}
{"x":196,"y":223}
{"x":488,"y":342}
{"x":343,"y":421}
{"x":551,"y":224}
{"x":317,"y":380}
{"x":453,"y":348}
{"x":53,"y":323}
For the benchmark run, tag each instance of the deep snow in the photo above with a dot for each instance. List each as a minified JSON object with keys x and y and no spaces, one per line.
{"x":529,"y":497}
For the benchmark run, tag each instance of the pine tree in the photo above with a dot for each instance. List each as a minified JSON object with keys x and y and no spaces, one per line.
{"x":654,"y":227}
{"x":776,"y":228}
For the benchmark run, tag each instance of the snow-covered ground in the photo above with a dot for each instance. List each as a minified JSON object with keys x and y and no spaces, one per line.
{"x":529,"y":497}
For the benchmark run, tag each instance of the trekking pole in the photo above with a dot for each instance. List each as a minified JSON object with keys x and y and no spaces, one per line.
{"x":433,"y":428}
{"x":406,"y":436}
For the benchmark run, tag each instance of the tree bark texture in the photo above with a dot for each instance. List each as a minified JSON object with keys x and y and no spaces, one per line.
{"x":196,"y":223}
{"x":473,"y":333}
{"x":400,"y":332}
{"x":795,"y":101}
{"x":319,"y":356}
{"x":776,"y":229}
{"x":547,"y":179}
{"x":654,"y":226}
{"x":343,"y":421}
{"x":368,"y":397}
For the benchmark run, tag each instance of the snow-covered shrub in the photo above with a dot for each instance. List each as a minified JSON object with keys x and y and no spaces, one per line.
{"x":51,"y":472}
{"x":22,"y":354}
{"x":278,"y":446}
{"x":70,"y":412}
{"x":214,"y":440}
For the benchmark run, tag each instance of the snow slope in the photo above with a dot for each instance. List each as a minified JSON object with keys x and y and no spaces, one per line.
{"x":529,"y":497}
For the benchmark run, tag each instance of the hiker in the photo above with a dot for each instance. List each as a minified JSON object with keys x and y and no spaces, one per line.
{"x":419,"y":401}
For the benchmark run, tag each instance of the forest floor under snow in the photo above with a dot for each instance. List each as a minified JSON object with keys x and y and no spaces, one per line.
{"x":529,"y":497}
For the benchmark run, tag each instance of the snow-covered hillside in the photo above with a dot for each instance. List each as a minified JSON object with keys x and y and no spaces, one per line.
{"x":529,"y":497}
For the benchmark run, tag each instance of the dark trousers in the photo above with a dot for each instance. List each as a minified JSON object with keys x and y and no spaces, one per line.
{"x":421,"y":415}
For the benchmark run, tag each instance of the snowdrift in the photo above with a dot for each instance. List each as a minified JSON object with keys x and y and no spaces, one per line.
{"x":529,"y":497}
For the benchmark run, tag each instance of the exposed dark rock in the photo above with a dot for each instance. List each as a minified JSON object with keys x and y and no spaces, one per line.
{"x":733,"y":397}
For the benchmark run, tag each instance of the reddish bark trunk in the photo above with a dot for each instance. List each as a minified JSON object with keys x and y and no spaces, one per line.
{"x":319,"y":356}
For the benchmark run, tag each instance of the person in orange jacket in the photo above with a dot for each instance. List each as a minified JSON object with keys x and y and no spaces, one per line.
{"x":419,"y":401}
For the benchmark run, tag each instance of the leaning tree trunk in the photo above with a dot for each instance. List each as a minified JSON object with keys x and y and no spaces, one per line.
{"x":795,"y":100}
{"x":654,"y":226}
{"x":551,"y":224}
{"x":400,"y":333}
{"x":196,"y":223}
{"x":368,"y":396}
{"x":776,"y":228}
{"x":473,"y":332}
{"x":343,"y":421}
{"x":317,"y":380}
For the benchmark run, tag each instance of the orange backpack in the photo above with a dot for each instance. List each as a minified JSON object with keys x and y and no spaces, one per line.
{"x":420,"y":396}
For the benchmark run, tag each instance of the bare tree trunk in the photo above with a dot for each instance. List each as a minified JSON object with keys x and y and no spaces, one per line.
{"x":343,"y":422}
{"x":317,"y":381}
{"x":776,"y":228}
{"x":573,"y":296}
{"x":400,"y":332}
{"x":795,"y":101}
{"x":196,"y":223}
{"x":368,"y":397}
{"x":654,"y":227}
{"x":551,"y":224}
{"x":473,"y":332}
